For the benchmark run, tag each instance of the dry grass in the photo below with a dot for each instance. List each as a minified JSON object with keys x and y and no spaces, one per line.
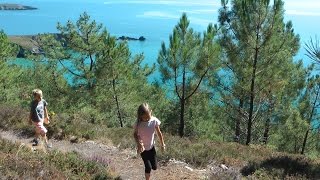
{"x":255,"y":160}
{"x":283,"y":167}
{"x":18,"y":162}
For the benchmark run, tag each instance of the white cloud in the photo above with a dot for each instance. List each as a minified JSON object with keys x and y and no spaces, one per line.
{"x":200,"y":21}
{"x":305,"y":5}
{"x":199,"y":11}
{"x":166,"y":15}
{"x":169,"y":2}
{"x":302,"y":8}
{"x":158,"y":14}
{"x":302,"y":13}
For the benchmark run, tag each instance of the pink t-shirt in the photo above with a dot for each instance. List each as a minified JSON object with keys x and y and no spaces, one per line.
{"x":146,"y":131}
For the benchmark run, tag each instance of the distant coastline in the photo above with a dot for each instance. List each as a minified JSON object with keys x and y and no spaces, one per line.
{"x":14,"y":7}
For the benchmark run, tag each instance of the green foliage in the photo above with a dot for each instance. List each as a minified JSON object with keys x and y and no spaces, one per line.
{"x":291,"y":133}
{"x":94,"y":84}
{"x":9,"y":73}
{"x":75,"y":48}
{"x":187,"y":61}
{"x":258,"y":49}
{"x":313,"y":49}
{"x":6,"y":48}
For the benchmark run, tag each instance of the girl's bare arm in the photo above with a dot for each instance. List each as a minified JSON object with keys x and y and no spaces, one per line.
{"x":159,"y":133}
{"x":136,"y":137}
{"x":46,"y":113}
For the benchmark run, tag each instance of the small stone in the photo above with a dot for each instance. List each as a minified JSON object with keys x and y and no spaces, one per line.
{"x":224,"y":167}
{"x":189,"y":168}
{"x":74,"y":139}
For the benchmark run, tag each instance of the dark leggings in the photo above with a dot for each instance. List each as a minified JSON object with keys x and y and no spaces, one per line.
{"x":149,"y":160}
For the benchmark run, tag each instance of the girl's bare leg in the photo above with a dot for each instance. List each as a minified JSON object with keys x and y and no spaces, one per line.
{"x":147,"y":175}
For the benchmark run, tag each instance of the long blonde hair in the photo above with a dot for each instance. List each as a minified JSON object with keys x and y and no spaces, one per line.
{"x":142,"y":109}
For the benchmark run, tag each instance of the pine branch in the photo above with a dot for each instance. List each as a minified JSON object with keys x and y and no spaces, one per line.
{"x":196,"y":88}
{"x":70,"y":70}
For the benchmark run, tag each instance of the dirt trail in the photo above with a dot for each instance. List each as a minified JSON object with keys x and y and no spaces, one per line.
{"x":125,"y":163}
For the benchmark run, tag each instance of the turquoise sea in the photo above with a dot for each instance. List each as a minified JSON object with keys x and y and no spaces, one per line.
{"x":152,"y":19}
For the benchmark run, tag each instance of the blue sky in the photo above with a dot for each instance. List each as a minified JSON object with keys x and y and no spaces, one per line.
{"x":302,"y":8}
{"x":294,"y":8}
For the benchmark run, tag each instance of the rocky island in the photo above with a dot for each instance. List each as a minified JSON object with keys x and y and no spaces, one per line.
{"x":7,"y":6}
{"x":126,"y":38}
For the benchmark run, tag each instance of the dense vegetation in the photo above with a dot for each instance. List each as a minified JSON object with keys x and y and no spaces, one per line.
{"x":235,"y":82}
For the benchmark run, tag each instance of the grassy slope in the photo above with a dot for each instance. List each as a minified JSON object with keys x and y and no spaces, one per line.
{"x":18,"y":162}
{"x":258,"y":161}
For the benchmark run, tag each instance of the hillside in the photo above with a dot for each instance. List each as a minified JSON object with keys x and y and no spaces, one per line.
{"x":184,"y":158}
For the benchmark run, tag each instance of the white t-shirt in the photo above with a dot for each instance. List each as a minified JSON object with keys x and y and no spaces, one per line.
{"x":146,"y":131}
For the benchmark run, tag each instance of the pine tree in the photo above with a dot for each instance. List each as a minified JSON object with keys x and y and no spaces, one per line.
{"x":75,"y":48}
{"x":291,"y":133}
{"x":101,"y":71}
{"x":9,"y":73}
{"x":258,"y":45}
{"x":6,"y":48}
{"x":187,"y":61}
{"x":121,"y":76}
{"x":313,"y":49}
{"x":310,"y":101}
{"x":309,"y":106}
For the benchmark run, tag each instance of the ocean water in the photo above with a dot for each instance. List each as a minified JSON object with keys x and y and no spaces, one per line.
{"x":152,"y":19}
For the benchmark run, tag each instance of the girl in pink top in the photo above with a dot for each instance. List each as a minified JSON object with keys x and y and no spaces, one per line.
{"x":144,"y":130}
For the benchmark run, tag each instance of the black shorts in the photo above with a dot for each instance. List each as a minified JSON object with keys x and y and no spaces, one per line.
{"x":149,"y":160}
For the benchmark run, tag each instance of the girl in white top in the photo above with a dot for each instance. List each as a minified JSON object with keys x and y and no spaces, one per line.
{"x":144,"y":130}
{"x":38,"y":116}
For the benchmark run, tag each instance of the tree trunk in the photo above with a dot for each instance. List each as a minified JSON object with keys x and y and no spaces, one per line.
{"x":266,"y":131}
{"x":305,"y":141}
{"x":252,"y":96}
{"x":238,"y":122}
{"x":310,"y":119}
{"x":252,"y":88}
{"x":267,"y":124}
{"x":117,"y":102}
{"x":182,"y":104}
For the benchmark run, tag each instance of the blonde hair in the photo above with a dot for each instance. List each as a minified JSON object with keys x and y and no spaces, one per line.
{"x":143,"y":109}
{"x":37,"y":92}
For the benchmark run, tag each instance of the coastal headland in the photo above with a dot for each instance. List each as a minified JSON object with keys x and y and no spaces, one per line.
{"x":13,"y":7}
